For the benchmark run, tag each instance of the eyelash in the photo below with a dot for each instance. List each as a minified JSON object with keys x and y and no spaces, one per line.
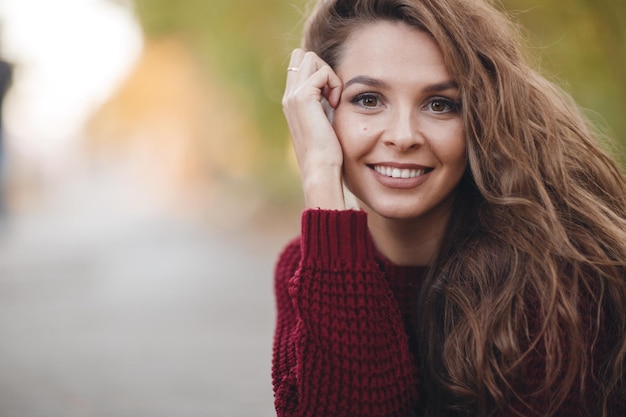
{"x":451,"y":105}
{"x":359,"y":99}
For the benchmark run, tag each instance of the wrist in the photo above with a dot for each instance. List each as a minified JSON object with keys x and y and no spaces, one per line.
{"x":324,"y":189}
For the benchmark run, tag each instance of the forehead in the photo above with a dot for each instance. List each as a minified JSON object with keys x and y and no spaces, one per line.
{"x":387,"y":48}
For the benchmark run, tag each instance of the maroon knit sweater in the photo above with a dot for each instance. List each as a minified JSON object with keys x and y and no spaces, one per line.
{"x":341,"y":345}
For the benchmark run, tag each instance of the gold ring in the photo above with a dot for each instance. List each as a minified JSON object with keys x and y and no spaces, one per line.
{"x":294,"y":69}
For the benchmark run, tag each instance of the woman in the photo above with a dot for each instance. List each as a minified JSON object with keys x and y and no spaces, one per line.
{"x":483,"y":269}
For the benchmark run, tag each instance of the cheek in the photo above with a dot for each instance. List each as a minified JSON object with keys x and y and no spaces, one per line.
{"x":456,"y":159}
{"x":460,"y":148}
{"x":356,"y":141}
{"x":450,"y":147}
{"x":350,"y":131}
{"x":358,"y":134}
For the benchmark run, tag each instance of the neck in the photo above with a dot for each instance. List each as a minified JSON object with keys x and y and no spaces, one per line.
{"x":408,"y":242}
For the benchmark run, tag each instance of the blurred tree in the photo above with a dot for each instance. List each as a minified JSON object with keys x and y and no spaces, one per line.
{"x":247,"y":43}
{"x":580,"y":45}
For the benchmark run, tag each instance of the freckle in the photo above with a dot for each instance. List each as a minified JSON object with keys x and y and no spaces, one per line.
{"x":365,"y":129}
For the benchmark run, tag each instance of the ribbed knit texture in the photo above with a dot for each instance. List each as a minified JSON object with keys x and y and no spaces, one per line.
{"x":341,"y":344}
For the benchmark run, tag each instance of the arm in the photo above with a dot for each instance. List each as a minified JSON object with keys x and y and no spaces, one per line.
{"x":340,"y":345}
{"x":312,"y":90}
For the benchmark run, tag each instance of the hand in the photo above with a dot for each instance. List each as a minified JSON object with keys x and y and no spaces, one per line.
{"x":311,"y":85}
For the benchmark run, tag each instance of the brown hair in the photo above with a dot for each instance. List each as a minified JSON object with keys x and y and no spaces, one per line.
{"x":534,"y":259}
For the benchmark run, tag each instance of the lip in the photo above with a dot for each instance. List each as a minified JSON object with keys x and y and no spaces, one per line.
{"x":400,"y":183}
{"x":398,"y":165}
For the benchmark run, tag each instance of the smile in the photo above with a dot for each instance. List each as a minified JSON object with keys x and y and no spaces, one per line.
{"x":393,"y":172}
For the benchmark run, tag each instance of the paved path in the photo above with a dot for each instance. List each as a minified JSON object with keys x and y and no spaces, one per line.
{"x":111,"y":310}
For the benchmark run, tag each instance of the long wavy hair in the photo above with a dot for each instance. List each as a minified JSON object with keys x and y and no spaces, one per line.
{"x":534,"y":259}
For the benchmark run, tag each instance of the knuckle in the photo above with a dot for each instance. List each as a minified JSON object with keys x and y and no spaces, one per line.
{"x":287,"y":99}
{"x":290,"y":99}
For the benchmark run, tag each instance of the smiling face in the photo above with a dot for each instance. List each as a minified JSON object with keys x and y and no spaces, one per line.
{"x":399,"y":123}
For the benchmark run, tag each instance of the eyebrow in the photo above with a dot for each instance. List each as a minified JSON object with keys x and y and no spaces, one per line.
{"x":362,"y":79}
{"x":375,"y":82}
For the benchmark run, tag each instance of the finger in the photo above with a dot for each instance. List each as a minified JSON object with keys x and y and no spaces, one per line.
{"x":331,"y":84}
{"x":334,"y":87}
{"x":299,"y":80}
{"x":296,"y":57}
{"x":314,"y":71}
{"x":308,"y":65}
{"x":299,"y":70}
{"x":294,"y":66}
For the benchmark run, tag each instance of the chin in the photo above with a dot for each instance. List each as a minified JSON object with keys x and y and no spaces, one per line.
{"x":400,"y":215}
{"x":393,"y":211}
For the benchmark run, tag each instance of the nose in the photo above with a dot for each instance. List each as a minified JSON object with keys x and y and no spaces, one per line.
{"x":403,"y":130}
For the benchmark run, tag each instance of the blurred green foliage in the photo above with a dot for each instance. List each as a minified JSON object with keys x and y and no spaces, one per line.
{"x":247,"y":44}
{"x":581,"y":45}
{"x":578,"y":43}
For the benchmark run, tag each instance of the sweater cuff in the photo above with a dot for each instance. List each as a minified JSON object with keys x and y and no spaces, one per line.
{"x":336,"y":237}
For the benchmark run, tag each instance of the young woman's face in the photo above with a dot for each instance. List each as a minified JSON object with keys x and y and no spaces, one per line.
{"x":398,"y":122}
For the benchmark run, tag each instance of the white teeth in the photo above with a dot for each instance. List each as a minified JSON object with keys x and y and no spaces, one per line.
{"x":399,"y":173}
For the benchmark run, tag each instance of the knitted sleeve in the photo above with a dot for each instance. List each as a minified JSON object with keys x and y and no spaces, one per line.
{"x":340,"y":346}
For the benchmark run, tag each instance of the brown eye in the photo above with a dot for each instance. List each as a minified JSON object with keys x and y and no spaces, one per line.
{"x":441,"y":105}
{"x":438,"y":106}
{"x":367,"y":100}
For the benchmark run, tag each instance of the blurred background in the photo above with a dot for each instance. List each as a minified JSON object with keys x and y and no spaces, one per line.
{"x":147,"y":186}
